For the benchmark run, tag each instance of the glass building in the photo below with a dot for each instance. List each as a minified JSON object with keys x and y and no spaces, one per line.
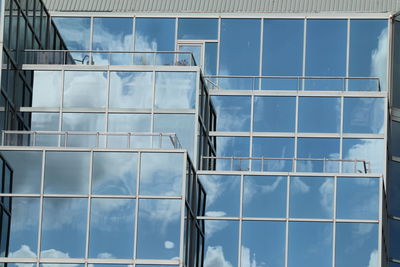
{"x":199,"y":133}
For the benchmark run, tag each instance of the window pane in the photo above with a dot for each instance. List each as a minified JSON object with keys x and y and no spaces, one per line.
{"x":67,"y":172}
{"x":263,"y":242}
{"x":46,"y":89}
{"x":175,"y":90}
{"x":45,"y":122}
{"x":319,"y":114}
{"x":273,"y":149}
{"x":368,"y":53}
{"x":112,"y":34}
{"x":311,"y":197}
{"x":64,"y":219}
{"x":27,"y":170}
{"x":274,"y":114}
{"x":394,"y":233}
{"x":131,"y":90}
{"x":129,"y":123}
{"x":393,"y":189}
{"x":198,"y":29}
{"x":395,"y":138}
{"x":240,"y":47}
{"x":158,"y":229}
{"x":321,"y":149}
{"x":310,"y":244}
{"x":356,"y":245}
{"x":91,"y":122}
{"x":363,"y":115}
{"x":223,"y":195}
{"x":233,"y":113}
{"x":233,"y":147}
{"x":75,"y":32}
{"x":24,"y":227}
{"x":264,"y":196}
{"x":114,"y":173}
{"x":161,"y":174}
{"x":369,"y":150}
{"x":221,"y":243}
{"x":112,"y":228}
{"x":358,"y":198}
{"x":85,"y":89}
{"x":210,"y":58}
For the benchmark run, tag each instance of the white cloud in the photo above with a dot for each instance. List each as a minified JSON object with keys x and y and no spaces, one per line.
{"x":371,"y":150}
{"x":299,"y":186}
{"x":247,"y":259}
{"x":169,"y":244}
{"x":326,"y":191}
{"x":373,"y":259}
{"x":24,"y":252}
{"x":105,"y":255}
{"x":215,"y":257}
{"x":252,"y":188}
{"x":363,"y":228}
{"x":214,"y":226}
{"x":379,"y":58}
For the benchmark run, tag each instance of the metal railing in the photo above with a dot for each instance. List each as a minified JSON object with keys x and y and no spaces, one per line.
{"x":295,"y":83}
{"x":92,"y":57}
{"x":269,"y":164}
{"x":90,"y":139}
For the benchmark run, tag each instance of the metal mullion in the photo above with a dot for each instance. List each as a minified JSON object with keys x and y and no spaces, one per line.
{"x":347,"y":56}
{"x":218,"y":47}
{"x":197,"y":129}
{"x":287,"y":220}
{"x":240,"y":220}
{"x":252,"y":99}
{"x":261,"y":53}
{"x":334,"y":221}
{"x":380,"y":224}
{"x":304,"y":52}
{"x":39,"y":241}
{"x":341,"y":133}
{"x":107,"y":105}
{"x":89,"y":206}
{"x":176,"y":34}
{"x":61,"y":106}
{"x":153,"y":104}
{"x":183,"y":205}
{"x":294,"y":163}
{"x":91,"y":38}
{"x":139,"y":159}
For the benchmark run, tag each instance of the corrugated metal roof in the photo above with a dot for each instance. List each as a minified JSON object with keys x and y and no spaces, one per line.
{"x":224,"y":6}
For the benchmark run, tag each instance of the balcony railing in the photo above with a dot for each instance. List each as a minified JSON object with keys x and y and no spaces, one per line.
{"x":90,"y":139}
{"x":79,"y":57}
{"x":294,"y":83}
{"x":267,"y":164}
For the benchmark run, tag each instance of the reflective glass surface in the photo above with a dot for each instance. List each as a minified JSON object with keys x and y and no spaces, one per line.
{"x":357,"y":198}
{"x":356,"y":245}
{"x":368,"y":53}
{"x":319,"y":114}
{"x":74,"y":31}
{"x":263,"y":243}
{"x":233,"y":147}
{"x":158,"y":229}
{"x":45,"y":122}
{"x":395,"y":138}
{"x":85,"y":89}
{"x":210,"y":58}
{"x":27,"y":170}
{"x":112,"y":34}
{"x":394,"y":233}
{"x":264,"y":196}
{"x":24,"y":227}
{"x":129,"y":123}
{"x":131,"y":90}
{"x":363,"y":115}
{"x":92,"y":122}
{"x":221,"y":243}
{"x":273,"y":148}
{"x":197,"y":29}
{"x":196,"y":51}
{"x":310,"y":244}
{"x":311,"y":197}
{"x":112,"y":228}
{"x":46,"y":89}
{"x":233,"y":113}
{"x":175,"y":90}
{"x":64,"y":219}
{"x":369,"y":152}
{"x":318,"y":148}
{"x":114,"y":173}
{"x":394,"y":188}
{"x":274,"y":114}
{"x":223,"y":195}
{"x":66,"y":172}
{"x":161,"y":174}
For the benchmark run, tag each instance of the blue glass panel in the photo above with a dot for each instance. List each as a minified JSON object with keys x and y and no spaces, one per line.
{"x":64,"y":219}
{"x":112,"y":34}
{"x":369,"y":152}
{"x":368,"y":53}
{"x":356,"y":245}
{"x":210,"y":58}
{"x":264,"y":196}
{"x":363,"y":115}
{"x":394,"y":233}
{"x":311,"y":197}
{"x":46,"y":89}
{"x":158,"y":229}
{"x":320,"y":149}
{"x":283,"y":43}
{"x":357,"y":198}
{"x":319,"y":114}
{"x":240,"y":47}
{"x":221,"y":243}
{"x":310,"y":244}
{"x":112,"y":228}
{"x":273,"y":148}
{"x":274,"y":114}
{"x":197,"y":29}
{"x":263,"y":242}
{"x":75,"y":32}
{"x":394,"y":189}
{"x":395,"y":138}
{"x":223,"y":195}
{"x":233,"y":113}
{"x":155,"y":34}
{"x":233,"y":147}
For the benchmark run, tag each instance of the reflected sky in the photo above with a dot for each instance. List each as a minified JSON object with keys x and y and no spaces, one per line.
{"x":318,"y":148}
{"x":197,"y":29}
{"x":370,"y":150}
{"x":74,"y":31}
{"x":233,"y":147}
{"x":155,"y":34}
{"x":273,"y":148}
{"x":112,"y":34}
{"x":46,"y":89}
{"x":233,"y":113}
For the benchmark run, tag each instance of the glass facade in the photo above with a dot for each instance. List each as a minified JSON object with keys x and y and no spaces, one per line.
{"x":198,"y":141}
